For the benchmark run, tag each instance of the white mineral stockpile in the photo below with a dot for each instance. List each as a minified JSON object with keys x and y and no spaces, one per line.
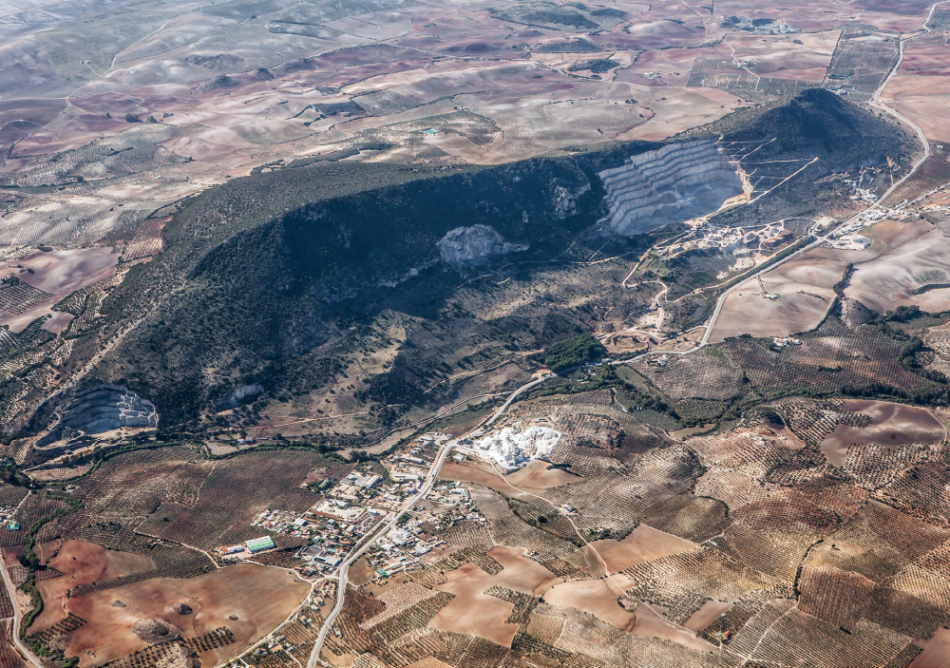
{"x":512,"y":447}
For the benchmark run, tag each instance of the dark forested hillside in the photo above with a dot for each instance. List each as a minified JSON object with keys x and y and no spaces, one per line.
{"x":344,"y":277}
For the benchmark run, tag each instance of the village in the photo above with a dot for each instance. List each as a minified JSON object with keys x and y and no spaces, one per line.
{"x":360,"y":502}
{"x":356,"y":505}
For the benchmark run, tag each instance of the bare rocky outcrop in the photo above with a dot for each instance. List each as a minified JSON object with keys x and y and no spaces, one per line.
{"x":565,"y":200}
{"x":240,"y":395}
{"x":468,"y":246}
{"x":217,"y":62}
{"x":155,"y":631}
{"x":178,"y":656}
{"x":759,"y":26}
{"x":672,"y":184}
{"x":182,"y":608}
{"x":220,"y":81}
{"x":854,"y":313}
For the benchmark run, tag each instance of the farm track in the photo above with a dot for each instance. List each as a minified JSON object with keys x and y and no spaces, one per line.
{"x":15,"y":632}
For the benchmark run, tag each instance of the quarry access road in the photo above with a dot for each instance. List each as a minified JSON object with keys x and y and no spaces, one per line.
{"x":514,"y":395}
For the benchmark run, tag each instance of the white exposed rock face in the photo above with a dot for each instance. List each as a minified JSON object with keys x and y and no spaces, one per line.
{"x":240,"y":394}
{"x":513,"y":446}
{"x":106,"y":407}
{"x":474,"y":245}
{"x":565,"y":200}
{"x":675,"y":183}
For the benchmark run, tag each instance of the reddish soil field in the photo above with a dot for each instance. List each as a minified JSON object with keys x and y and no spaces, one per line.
{"x":259,"y":596}
{"x":936,"y":652}
{"x":472,"y":611}
{"x":891,"y":425}
{"x":644,"y":544}
{"x":706,"y":615}
{"x":82,"y":563}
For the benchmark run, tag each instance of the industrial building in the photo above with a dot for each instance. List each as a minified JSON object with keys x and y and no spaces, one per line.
{"x":256,"y":545}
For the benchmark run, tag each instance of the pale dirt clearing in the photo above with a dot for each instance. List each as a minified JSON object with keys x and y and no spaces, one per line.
{"x":597,"y":597}
{"x":923,"y":101}
{"x":652,"y":624}
{"x":534,"y":478}
{"x":679,"y":109}
{"x":803,"y":56}
{"x":519,"y":573}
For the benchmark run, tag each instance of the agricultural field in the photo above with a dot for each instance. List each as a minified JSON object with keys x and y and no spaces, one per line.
{"x":796,"y":298}
{"x":885,"y":282}
{"x":248,"y":601}
{"x":622,"y":595}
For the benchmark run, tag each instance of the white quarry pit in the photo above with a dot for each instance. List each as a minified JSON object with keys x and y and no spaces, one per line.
{"x":513,"y":447}
{"x":678,"y":182}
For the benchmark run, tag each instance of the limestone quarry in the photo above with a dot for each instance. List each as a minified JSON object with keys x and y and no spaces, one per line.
{"x":513,"y":447}
{"x":675,"y":183}
{"x":106,"y":407}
